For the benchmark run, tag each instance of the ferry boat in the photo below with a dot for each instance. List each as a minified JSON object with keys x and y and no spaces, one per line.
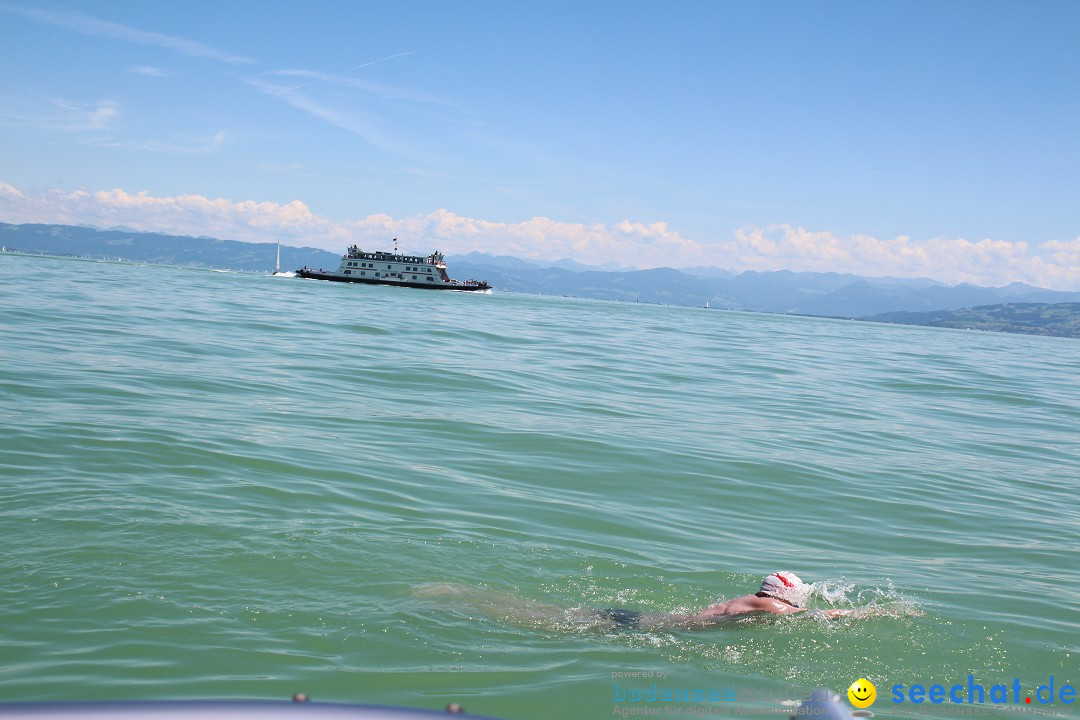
{"x":385,"y":268}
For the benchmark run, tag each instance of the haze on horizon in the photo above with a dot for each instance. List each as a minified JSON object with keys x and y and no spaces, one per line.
{"x":882,"y":138}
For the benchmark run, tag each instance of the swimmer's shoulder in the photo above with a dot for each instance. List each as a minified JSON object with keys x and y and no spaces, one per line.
{"x":734,"y":606}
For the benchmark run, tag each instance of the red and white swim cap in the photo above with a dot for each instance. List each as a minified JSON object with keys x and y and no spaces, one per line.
{"x":786,"y":586}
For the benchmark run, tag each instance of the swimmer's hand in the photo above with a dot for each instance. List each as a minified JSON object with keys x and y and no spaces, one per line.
{"x":832,"y":612}
{"x":866,"y":612}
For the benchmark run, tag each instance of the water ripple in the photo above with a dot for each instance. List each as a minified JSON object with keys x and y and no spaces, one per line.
{"x":235,"y":487}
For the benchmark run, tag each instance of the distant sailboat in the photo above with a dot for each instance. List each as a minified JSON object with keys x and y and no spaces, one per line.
{"x":706,"y":304}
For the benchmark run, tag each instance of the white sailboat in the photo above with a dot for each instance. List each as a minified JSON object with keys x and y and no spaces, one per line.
{"x":277,"y":264}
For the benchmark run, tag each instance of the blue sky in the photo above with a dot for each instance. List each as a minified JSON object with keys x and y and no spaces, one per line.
{"x":882,"y":138}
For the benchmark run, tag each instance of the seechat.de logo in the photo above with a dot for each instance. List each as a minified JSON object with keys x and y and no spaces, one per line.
{"x":973,"y":692}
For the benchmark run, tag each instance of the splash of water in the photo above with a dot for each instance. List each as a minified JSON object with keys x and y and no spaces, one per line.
{"x":865,"y":602}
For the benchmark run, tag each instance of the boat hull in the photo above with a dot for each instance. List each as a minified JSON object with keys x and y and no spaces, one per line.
{"x":335,"y":277}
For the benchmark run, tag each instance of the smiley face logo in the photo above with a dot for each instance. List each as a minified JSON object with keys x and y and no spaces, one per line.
{"x":862,"y":693}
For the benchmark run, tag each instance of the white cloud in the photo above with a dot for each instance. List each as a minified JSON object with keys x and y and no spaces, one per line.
{"x":183,"y":214}
{"x":1054,"y":264}
{"x":954,"y":260}
{"x":87,"y":25}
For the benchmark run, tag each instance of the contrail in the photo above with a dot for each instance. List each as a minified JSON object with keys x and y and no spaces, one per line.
{"x":324,"y":78}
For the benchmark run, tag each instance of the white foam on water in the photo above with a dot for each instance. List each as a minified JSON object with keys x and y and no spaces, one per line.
{"x":865,"y":602}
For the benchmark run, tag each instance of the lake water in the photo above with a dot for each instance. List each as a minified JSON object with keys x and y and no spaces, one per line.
{"x":223,"y":485}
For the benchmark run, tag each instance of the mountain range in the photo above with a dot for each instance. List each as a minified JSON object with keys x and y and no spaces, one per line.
{"x":806,"y":293}
{"x":121,"y":243}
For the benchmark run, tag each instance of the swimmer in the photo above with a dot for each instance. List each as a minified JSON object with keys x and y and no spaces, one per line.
{"x":781,"y":593}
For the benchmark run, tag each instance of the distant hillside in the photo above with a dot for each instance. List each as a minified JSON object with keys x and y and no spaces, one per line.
{"x":874,"y":298}
{"x":159,"y":249}
{"x":1059,"y":319}
{"x":829,"y":294}
{"x":662,"y":286}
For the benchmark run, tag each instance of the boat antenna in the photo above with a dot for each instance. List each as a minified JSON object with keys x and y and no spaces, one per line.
{"x":395,"y":246}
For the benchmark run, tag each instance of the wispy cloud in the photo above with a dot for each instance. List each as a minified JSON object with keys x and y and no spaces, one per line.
{"x":355,"y":120}
{"x":367,"y":86}
{"x":60,"y":114}
{"x":362,"y":107}
{"x":332,"y":77}
{"x":96,"y":123}
{"x":185,"y":144}
{"x":87,"y":25}
{"x":294,"y":169}
{"x":149,"y":71}
{"x":1054,"y":264}
{"x":79,"y":116}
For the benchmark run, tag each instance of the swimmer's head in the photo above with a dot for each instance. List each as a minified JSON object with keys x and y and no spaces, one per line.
{"x":785,"y":586}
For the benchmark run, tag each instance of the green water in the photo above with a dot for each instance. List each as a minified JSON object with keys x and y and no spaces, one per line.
{"x":220,"y":485}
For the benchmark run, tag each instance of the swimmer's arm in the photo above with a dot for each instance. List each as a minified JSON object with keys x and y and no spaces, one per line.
{"x":828,"y":612}
{"x":705,"y":618}
{"x":867,"y":612}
